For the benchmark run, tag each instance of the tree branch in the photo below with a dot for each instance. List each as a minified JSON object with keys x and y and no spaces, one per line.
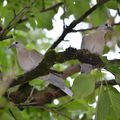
{"x":51,"y":92}
{"x":48,"y":94}
{"x":75,"y":22}
{"x":5,"y":37}
{"x":52,"y":7}
{"x":51,"y":58}
{"x":92,"y":28}
{"x":49,"y":109}
{"x":105,"y":82}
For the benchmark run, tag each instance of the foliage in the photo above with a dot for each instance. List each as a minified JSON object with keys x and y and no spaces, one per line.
{"x":30,"y":28}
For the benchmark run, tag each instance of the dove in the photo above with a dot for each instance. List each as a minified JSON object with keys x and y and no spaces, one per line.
{"x":29,"y":59}
{"x":95,"y":43}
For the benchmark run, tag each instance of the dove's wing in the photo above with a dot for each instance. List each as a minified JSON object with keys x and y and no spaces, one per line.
{"x":51,"y":78}
{"x":94,"y":42}
{"x":36,"y":57}
{"x":30,"y":59}
{"x":58,"y":82}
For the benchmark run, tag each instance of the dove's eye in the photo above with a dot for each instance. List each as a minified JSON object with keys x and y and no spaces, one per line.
{"x":106,"y":25}
{"x":16,"y":42}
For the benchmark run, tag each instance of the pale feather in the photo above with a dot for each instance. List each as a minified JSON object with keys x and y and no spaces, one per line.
{"x":94,"y":43}
{"x":30,"y":59}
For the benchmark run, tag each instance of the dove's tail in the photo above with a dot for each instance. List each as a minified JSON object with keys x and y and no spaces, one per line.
{"x":86,"y":68}
{"x":67,"y":91}
{"x":58,"y":82}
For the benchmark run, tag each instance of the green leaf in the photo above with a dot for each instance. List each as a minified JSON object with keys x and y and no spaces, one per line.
{"x":103,"y":105}
{"x":76,"y":105}
{"x":112,"y":4}
{"x":106,"y":49}
{"x":44,"y":20}
{"x":38,"y":84}
{"x":108,"y":104}
{"x":99,"y":16}
{"x":16,"y":112}
{"x":117,"y":78}
{"x":118,"y":1}
{"x":118,"y":43}
{"x":45,"y":115}
{"x":114,"y":69}
{"x":6,"y":116}
{"x":22,"y":27}
{"x":76,"y":7}
{"x":114,"y":97}
{"x":83,"y":85}
{"x":32,"y":23}
{"x":91,"y":98}
{"x":97,"y":74}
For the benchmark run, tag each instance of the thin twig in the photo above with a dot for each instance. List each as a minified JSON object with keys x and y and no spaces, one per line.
{"x":60,"y":107}
{"x":5,"y":37}
{"x":92,"y":28}
{"x":12,"y":114}
{"x":64,"y":26}
{"x":45,"y":108}
{"x":52,"y":7}
{"x":105,"y":82}
{"x":43,"y":4}
{"x":118,"y":11}
{"x":14,"y":21}
{"x":83,"y":30}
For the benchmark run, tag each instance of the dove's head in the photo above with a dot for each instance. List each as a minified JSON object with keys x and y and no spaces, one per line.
{"x":16,"y":45}
{"x":106,"y":27}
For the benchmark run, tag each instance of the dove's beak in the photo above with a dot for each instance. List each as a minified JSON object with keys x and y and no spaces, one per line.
{"x":11,"y":46}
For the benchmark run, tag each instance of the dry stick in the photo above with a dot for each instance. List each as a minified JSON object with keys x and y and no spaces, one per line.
{"x":75,"y":22}
{"x":76,"y":68}
{"x":71,"y":70}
